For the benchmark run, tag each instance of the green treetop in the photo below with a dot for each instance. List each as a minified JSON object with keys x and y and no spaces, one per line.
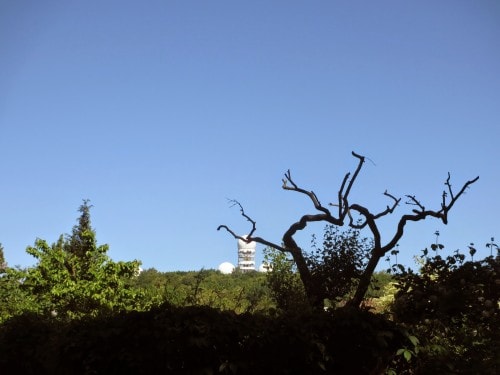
{"x":75,"y":276}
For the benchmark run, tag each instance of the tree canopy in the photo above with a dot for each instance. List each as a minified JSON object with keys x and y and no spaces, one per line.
{"x":74,"y":276}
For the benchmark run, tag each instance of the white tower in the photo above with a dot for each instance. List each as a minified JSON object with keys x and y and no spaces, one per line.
{"x":246,"y":255}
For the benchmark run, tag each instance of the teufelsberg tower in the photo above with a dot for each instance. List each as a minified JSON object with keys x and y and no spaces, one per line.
{"x":246,"y":255}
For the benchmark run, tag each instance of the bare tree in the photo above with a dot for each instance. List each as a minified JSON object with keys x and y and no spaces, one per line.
{"x":344,"y":214}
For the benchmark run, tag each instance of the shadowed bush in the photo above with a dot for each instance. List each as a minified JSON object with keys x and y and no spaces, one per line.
{"x":200,"y":340}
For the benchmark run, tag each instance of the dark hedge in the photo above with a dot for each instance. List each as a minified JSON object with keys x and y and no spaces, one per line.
{"x":200,"y":340}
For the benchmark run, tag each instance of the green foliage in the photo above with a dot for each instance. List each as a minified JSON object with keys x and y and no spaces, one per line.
{"x":239,"y":292}
{"x":74,"y":276}
{"x":383,"y":298}
{"x":284,"y":282}
{"x":3,"y":263}
{"x":381,"y":281}
{"x":453,"y":307}
{"x":337,"y":266}
{"x":15,"y":299}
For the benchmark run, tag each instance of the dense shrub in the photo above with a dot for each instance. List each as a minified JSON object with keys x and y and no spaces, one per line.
{"x":452,"y":306}
{"x":200,"y":340}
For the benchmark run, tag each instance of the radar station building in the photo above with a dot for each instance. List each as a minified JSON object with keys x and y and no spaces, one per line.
{"x":246,"y":255}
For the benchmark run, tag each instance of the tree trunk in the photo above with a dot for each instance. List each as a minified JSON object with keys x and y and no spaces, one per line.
{"x":364,"y":281}
{"x":315,"y":300}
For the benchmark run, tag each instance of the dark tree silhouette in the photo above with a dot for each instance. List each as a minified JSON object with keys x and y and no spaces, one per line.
{"x":344,"y":215}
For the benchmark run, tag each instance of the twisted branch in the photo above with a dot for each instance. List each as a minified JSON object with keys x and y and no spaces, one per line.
{"x":421,"y":213}
{"x":344,"y":209}
{"x":249,"y":237}
{"x":310,"y":194}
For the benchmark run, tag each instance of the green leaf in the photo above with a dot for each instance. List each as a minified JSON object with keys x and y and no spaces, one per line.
{"x":414,"y":340}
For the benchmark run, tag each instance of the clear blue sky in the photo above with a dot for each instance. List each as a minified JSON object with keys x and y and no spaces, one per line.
{"x":157,"y":111}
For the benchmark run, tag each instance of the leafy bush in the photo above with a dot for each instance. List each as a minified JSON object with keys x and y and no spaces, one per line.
{"x":452,"y":306}
{"x":335,"y":269}
{"x":339,"y":263}
{"x":284,"y":282}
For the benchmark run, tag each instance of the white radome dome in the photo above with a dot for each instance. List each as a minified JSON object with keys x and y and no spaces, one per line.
{"x":226,"y":268}
{"x":264,"y":267}
{"x":246,"y":245}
